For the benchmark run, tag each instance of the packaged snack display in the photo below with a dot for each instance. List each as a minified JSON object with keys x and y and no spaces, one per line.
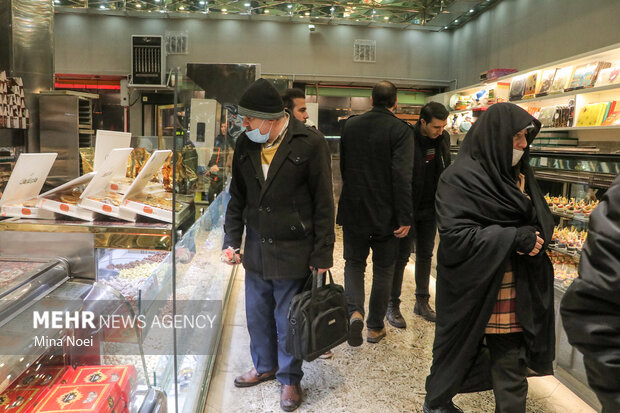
{"x":561,"y":79}
{"x":106,"y":142}
{"x":64,"y":199}
{"x":531,"y":81}
{"x":44,"y":377}
{"x":96,"y":196}
{"x":517,"y":87}
{"x":19,"y":400}
{"x":592,"y":114}
{"x":608,"y":76}
{"x":613,"y":115}
{"x":585,"y":75}
{"x":124,"y":376}
{"x":100,"y":398}
{"x":20,"y":197}
{"x":546,"y":81}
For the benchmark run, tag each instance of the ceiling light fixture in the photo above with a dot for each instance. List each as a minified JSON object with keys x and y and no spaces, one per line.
{"x":445,"y":27}
{"x":456,"y":21}
{"x":224,"y":10}
{"x":57,"y":1}
{"x":471,"y":10}
{"x":181,"y":8}
{"x":266,"y":11}
{"x":290,"y":6}
{"x":247,"y":4}
{"x":138,"y":5}
{"x":307,"y":13}
{"x":102,"y":7}
{"x":386,"y":18}
{"x":202,"y":3}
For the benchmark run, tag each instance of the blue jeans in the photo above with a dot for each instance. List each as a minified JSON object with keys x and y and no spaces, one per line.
{"x":266,"y":307}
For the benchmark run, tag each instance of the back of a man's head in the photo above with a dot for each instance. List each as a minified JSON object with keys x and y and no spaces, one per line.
{"x":384,"y":94}
{"x":290,"y":95}
{"x":433,"y":110}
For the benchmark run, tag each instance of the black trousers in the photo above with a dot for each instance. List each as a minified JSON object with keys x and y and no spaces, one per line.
{"x":356,"y":249}
{"x":423,"y":235}
{"x":508,"y":371}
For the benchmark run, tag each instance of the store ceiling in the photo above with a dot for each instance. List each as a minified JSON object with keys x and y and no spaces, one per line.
{"x":434,"y":15}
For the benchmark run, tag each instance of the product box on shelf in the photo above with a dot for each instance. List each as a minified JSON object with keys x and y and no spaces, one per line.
{"x":608,"y":76}
{"x":96,"y":197}
{"x":493,"y":74}
{"x":99,"y":397}
{"x":613,"y":115}
{"x":517,"y":87}
{"x":64,"y":199}
{"x":44,"y":377}
{"x":585,"y":75}
{"x":19,"y":198}
{"x":546,"y":80}
{"x":105,"y":142}
{"x":531,"y":83}
{"x":592,"y":114}
{"x":124,"y":376}
{"x":156,"y":206}
{"x":561,"y":79}
{"x":20,"y":400}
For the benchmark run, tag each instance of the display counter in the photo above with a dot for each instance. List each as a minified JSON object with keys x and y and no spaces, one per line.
{"x":114,"y":269}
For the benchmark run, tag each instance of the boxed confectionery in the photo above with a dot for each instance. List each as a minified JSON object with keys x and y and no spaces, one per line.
{"x":593,"y":114}
{"x":613,"y":114}
{"x":531,"y":83}
{"x":20,"y":197}
{"x":493,"y":74}
{"x":585,"y":75}
{"x":64,"y":199}
{"x":81,"y":398}
{"x":124,"y":376}
{"x":546,"y":80}
{"x":561,"y":79}
{"x":105,"y":142}
{"x":96,"y":196}
{"x":158,"y":205}
{"x":20,"y":400}
{"x":44,"y":377}
{"x":517,"y":87}
{"x":608,"y":76}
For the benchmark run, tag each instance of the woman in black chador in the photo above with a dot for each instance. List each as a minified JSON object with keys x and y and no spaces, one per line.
{"x":495,"y":321}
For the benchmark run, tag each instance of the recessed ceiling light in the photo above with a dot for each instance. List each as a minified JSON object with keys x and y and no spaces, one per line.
{"x":445,"y":27}
{"x":471,"y":10}
{"x":456,"y":21}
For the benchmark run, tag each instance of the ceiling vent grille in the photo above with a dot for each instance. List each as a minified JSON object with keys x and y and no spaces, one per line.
{"x":365,"y":51}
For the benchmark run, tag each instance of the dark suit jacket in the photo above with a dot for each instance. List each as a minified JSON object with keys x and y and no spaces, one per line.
{"x":376,"y":162}
{"x":288,"y":217}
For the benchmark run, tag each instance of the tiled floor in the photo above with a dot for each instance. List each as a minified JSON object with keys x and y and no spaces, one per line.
{"x":342,"y":384}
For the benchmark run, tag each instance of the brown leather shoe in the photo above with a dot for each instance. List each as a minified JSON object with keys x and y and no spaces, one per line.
{"x":252,"y":378}
{"x":374,"y":336}
{"x":356,"y":325}
{"x":290,"y":397}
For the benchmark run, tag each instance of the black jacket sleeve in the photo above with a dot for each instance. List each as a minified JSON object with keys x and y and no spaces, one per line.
{"x":320,"y":185}
{"x":233,"y":224}
{"x":402,"y":173}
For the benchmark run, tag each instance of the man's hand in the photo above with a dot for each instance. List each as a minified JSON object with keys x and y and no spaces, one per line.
{"x":402,"y":231}
{"x":214,"y":169}
{"x":231,"y":256}
{"x":319,"y":270}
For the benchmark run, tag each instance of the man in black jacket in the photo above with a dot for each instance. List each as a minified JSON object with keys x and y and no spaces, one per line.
{"x":432,"y":156}
{"x":376,"y":162}
{"x":281,"y":193}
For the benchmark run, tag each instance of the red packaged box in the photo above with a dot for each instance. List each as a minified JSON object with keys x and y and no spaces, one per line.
{"x":34,"y":378}
{"x":19,"y":400}
{"x":124,"y":376}
{"x":100,"y":398}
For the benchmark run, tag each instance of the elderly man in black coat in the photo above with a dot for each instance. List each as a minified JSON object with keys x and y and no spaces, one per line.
{"x":375,"y":207}
{"x":281,"y":194}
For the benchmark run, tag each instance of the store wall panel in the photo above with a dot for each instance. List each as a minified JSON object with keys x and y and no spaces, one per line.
{"x":528,"y":33}
{"x":101,"y":44}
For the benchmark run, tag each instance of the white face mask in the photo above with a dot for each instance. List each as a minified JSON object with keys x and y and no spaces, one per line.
{"x":516,"y":156}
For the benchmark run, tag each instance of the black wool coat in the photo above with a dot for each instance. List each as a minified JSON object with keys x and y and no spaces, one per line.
{"x":289,"y":216}
{"x":376,"y":163}
{"x":591,"y":306}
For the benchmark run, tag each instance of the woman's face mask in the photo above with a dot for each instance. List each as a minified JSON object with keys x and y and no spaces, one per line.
{"x":516,"y":156}
{"x":519,"y":143}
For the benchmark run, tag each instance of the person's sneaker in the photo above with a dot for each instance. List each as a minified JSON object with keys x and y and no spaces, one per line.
{"x":327,"y":355}
{"x":444,"y":408}
{"x":395,"y":317}
{"x":356,"y":325}
{"x":423,"y":308}
{"x":374,"y":336}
